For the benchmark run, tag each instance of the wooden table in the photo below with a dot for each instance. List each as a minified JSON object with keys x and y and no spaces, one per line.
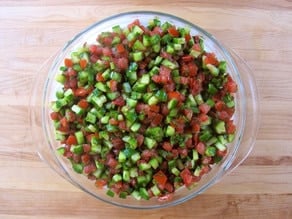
{"x":260,"y":31}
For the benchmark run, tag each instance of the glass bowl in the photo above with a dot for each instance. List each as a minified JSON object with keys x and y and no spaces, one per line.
{"x":246,"y":116}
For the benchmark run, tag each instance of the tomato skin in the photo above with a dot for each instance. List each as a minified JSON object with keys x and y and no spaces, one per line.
{"x":83,"y":103}
{"x":100,"y":183}
{"x":83,"y":63}
{"x":173,"y":31}
{"x":200,"y":147}
{"x":204,"y":108}
{"x":119,"y":101}
{"x":113,"y":85}
{"x":167,"y":146}
{"x":230,"y":127}
{"x":120,"y":48}
{"x":81,"y":92}
{"x":55,"y":116}
{"x":71,"y":140}
{"x":186,"y":176}
{"x":160,"y":178}
{"x":230,"y":86}
{"x":68,"y":62}
{"x":211,"y":59}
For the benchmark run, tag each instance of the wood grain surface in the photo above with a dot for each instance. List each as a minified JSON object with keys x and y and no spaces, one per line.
{"x":260,"y":31}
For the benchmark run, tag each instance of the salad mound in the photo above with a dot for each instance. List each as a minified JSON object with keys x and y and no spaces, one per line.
{"x":145,"y":110}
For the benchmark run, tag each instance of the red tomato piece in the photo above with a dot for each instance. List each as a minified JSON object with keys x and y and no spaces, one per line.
{"x":200,"y":147}
{"x":173,"y":31}
{"x":186,"y":176}
{"x":167,"y":146}
{"x":83,"y":63}
{"x":89,"y":168}
{"x":100,"y":183}
{"x":68,"y":62}
{"x":230,"y":127}
{"x":113,"y":85}
{"x":211,"y":59}
{"x":119,"y":101}
{"x":81,"y":92}
{"x":160,"y":178}
{"x":204,"y":108}
{"x":55,"y":116}
{"x":71,"y":140}
{"x":85,"y":158}
{"x":83,"y":103}
{"x":120,"y":48}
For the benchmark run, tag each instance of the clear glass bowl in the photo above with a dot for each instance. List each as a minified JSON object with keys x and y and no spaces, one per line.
{"x":246,"y":116}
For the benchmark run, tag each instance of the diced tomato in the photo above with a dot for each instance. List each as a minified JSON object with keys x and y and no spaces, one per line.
{"x":174,"y":95}
{"x":204,"y":108}
{"x":55,"y":116}
{"x":90,"y":136}
{"x":223,"y":115}
{"x":89,"y":168}
{"x":122,"y":63}
{"x":76,"y":158}
{"x":200,"y":147}
{"x":120,"y":48}
{"x":112,"y":162}
{"x":183,"y":152}
{"x":156,"y":78}
{"x":188,"y":113}
{"x":81,"y":92}
{"x":203,"y":117}
{"x":136,"y":22}
{"x":118,"y":143}
{"x":85,"y":158}
{"x":230,"y":127}
{"x":100,"y":183}
{"x":86,"y":148}
{"x":230,"y":85}
{"x":187,"y":58}
{"x":195,"y":126}
{"x":195,"y":86}
{"x":99,"y":77}
{"x":184,"y":80}
{"x":106,"y":51}
{"x":221,"y":153}
{"x":157,"y":120}
{"x":197,"y":47}
{"x":83,"y":103}
{"x":187,"y":37}
{"x":167,"y":146}
{"x":174,"y":153}
{"x":64,"y":122}
{"x":71,"y":72}
{"x":68,"y":62}
{"x":119,"y":101}
{"x":211,"y":59}
{"x":164,"y":109}
{"x":193,"y":69}
{"x":83,"y":63}
{"x":189,"y":143}
{"x":220,"y":105}
{"x":140,"y":107}
{"x":173,"y":31}
{"x":154,"y":108}
{"x":206,"y":160}
{"x":122,"y":125}
{"x":71,"y":140}
{"x":113,"y":85}
{"x":157,"y":30}
{"x":160,"y":178}
{"x":93,"y":58}
{"x":169,"y":86}
{"x":113,"y":121}
{"x":186,"y":176}
{"x":169,"y":187}
{"x":140,"y":139}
